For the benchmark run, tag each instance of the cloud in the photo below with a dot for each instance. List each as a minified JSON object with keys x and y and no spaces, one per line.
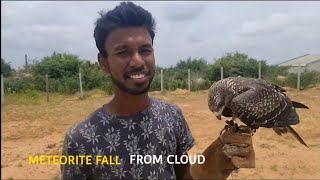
{"x":274,"y":31}
{"x":177,"y":11}
{"x":272,"y":24}
{"x":279,"y":23}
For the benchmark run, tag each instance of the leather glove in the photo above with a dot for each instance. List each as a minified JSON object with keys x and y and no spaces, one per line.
{"x":232,"y":150}
{"x":237,"y":146}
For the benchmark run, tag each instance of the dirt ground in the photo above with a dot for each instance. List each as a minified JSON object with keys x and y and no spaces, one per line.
{"x":39,"y":129}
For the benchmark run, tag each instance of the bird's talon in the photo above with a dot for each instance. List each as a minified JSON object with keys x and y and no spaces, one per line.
{"x":224,"y":129}
{"x":236,"y":126}
{"x":253,"y":131}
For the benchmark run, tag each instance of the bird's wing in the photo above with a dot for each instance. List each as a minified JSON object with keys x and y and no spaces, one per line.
{"x":274,"y":86}
{"x":258,"y":106}
{"x":279,"y":88}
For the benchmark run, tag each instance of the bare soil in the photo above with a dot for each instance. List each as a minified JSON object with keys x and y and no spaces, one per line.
{"x":40,"y":129}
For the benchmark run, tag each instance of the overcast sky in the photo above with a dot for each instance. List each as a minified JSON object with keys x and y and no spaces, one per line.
{"x":272,"y":31}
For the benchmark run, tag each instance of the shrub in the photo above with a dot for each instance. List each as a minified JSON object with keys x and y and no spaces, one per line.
{"x":307,"y":79}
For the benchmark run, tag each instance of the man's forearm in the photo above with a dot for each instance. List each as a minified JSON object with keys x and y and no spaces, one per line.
{"x":216,"y":166}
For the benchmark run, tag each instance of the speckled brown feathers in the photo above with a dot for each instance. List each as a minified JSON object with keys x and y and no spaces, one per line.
{"x":256,"y":103}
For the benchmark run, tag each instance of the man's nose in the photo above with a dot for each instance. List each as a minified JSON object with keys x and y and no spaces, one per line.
{"x":137,"y":60}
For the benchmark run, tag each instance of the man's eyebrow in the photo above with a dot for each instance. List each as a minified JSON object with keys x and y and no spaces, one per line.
{"x":146,"y":46}
{"x":121,"y":47}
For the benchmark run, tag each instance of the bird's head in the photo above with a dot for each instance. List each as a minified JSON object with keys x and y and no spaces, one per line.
{"x":217,"y":105}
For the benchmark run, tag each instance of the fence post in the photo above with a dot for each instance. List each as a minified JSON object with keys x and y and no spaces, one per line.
{"x":47,"y":87}
{"x":80,"y":82}
{"x":26,"y":61}
{"x":161,"y":75}
{"x":259,"y":69}
{"x":189,"y":80}
{"x":2,"y":90}
{"x":299,"y":74}
{"x":221,"y":72}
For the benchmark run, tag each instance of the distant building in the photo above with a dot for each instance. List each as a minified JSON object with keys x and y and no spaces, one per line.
{"x":307,"y":62}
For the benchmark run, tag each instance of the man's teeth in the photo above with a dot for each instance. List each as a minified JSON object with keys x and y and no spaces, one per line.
{"x":137,"y":76}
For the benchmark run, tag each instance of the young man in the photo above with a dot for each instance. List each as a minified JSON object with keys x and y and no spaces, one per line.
{"x":133,"y":123}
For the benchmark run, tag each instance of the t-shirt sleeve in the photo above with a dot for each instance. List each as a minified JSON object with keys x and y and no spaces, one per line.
{"x":185,"y":139}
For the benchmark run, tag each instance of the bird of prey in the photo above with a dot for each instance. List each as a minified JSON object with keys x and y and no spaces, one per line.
{"x":257,"y":103}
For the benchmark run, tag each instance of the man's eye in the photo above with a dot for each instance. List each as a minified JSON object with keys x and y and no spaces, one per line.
{"x":123,"y":53}
{"x":146,"y":51}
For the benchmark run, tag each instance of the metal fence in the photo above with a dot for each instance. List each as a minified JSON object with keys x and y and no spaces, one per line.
{"x":162,"y":86}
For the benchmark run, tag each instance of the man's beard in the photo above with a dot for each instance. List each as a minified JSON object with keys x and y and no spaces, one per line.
{"x":139,"y":89}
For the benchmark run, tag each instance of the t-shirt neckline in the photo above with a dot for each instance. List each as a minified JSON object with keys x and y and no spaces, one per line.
{"x":151,"y":99}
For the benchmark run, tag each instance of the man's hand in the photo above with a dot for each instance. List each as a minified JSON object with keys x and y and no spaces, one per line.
{"x":232,"y":150}
{"x":237,"y":146}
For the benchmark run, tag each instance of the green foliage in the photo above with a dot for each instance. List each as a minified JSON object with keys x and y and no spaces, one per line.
{"x":67,"y":85}
{"x":16,"y":85}
{"x":6,"y":68}
{"x":307,"y":80}
{"x":93,"y":77}
{"x":57,"y":65}
{"x":192,"y":64}
{"x":283,"y":78}
{"x":63,"y":71}
{"x":155,"y":84}
{"x":40,"y":82}
{"x":274,"y":70}
{"x":107,"y":85}
{"x":176,"y":77}
{"x":273,"y":74}
{"x":310,"y":79}
{"x":235,"y":64}
{"x":203,"y":86}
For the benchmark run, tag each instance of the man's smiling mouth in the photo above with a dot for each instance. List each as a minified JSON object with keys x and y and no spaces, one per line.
{"x":137,"y":76}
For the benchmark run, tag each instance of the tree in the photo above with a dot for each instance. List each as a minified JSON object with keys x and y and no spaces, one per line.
{"x":235,"y":64}
{"x":6,"y":68}
{"x":57,"y":65}
{"x":62,"y":69}
{"x":192,"y":64}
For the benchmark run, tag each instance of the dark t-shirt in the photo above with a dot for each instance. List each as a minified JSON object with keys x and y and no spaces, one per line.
{"x":159,"y":130}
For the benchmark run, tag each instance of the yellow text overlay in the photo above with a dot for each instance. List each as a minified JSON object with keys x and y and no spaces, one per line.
{"x":71,"y":160}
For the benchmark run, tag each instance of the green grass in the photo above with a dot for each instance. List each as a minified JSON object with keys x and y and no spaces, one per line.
{"x":35,"y":98}
{"x":291,"y":145}
{"x":274,"y":167}
{"x":56,"y":177}
{"x":268,"y":146}
{"x":25,"y":98}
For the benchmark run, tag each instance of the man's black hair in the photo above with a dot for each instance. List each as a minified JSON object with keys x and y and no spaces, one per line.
{"x":127,"y":14}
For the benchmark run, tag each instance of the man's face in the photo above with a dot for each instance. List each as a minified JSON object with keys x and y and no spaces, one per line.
{"x":130,"y":59}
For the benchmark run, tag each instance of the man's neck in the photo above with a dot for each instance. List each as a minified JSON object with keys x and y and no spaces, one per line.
{"x":124,"y":104}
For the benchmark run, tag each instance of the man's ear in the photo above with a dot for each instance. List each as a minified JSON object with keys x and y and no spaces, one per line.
{"x":103,"y":62}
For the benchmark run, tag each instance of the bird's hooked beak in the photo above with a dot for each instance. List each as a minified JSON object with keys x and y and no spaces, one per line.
{"x":218,"y":113}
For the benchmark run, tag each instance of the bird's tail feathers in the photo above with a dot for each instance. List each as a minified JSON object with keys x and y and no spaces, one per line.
{"x":299,"y":105}
{"x":280,"y":130}
{"x":285,"y":130}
